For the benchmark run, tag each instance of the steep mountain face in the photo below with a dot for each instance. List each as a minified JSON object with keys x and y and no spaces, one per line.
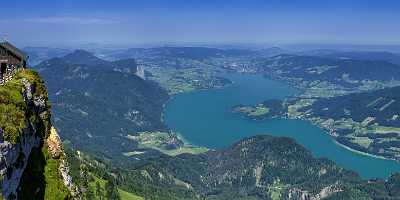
{"x":97,"y":103}
{"x":260,"y":167}
{"x":25,"y":131}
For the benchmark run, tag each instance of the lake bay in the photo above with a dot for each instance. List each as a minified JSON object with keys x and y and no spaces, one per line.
{"x":204,"y":118}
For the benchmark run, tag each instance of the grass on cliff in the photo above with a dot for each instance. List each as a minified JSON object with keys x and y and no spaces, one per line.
{"x":13,"y":109}
{"x":41,"y":178}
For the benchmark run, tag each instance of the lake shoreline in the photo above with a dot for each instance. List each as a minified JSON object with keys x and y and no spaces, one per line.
{"x":360,"y":152}
{"x":201,"y":119}
{"x":328,"y":132}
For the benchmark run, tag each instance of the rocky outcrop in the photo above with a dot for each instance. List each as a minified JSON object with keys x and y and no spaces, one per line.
{"x":298,"y":194}
{"x":14,"y":157}
{"x":54,"y":145}
{"x":140,"y":72}
{"x":13,"y":160}
{"x":32,"y":132}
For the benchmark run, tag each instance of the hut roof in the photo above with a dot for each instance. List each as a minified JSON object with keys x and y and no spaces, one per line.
{"x":13,"y":49}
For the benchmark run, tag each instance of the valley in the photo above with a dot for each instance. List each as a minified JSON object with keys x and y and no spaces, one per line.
{"x":199,"y":100}
{"x":178,"y":112}
{"x":189,"y":79}
{"x":181,"y":71}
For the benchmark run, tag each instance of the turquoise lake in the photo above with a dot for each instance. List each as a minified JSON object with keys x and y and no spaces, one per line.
{"x":204,"y":118}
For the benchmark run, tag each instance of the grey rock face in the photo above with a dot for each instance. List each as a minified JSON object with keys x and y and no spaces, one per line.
{"x":296,"y":193}
{"x":14,"y":157}
{"x":13,"y":160}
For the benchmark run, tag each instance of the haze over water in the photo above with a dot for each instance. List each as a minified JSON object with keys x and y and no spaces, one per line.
{"x":204,"y":118}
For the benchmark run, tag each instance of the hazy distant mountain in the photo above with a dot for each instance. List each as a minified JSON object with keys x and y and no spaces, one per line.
{"x":119,"y":54}
{"x":357,"y":55}
{"x":39,"y":54}
{"x":199,"y":53}
{"x":273,"y":51}
{"x":335,"y":70}
{"x":192,"y":53}
{"x":383,"y":56}
{"x":85,"y":58}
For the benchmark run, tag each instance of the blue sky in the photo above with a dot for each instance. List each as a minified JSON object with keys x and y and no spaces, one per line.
{"x":62,"y":22}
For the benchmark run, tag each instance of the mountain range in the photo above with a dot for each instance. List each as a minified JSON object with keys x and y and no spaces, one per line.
{"x":97,"y":103}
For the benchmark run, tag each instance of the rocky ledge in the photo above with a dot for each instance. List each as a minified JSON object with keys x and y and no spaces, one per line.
{"x":25,"y":126}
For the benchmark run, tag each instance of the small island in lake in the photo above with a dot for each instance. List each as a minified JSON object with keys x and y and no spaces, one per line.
{"x":268,"y":109}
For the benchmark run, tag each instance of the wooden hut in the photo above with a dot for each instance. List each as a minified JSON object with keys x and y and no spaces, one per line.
{"x":11,"y":58}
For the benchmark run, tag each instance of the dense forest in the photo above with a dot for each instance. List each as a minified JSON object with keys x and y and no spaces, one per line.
{"x":96,"y":102}
{"x":260,"y":167}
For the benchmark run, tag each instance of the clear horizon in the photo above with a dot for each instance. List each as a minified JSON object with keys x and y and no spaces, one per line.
{"x":123,"y":22}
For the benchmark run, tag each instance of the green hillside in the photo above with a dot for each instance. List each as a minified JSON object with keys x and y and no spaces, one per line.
{"x":96,"y":103}
{"x":260,"y":167}
{"x":20,"y":117}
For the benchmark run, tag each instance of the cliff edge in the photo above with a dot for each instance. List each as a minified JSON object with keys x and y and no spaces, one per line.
{"x":32,"y":164}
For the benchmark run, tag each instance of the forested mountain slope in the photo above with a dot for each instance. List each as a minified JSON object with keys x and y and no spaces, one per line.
{"x":260,"y":167}
{"x":96,"y":102}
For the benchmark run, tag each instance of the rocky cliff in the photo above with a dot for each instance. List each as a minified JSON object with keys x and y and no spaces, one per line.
{"x":25,"y":133}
